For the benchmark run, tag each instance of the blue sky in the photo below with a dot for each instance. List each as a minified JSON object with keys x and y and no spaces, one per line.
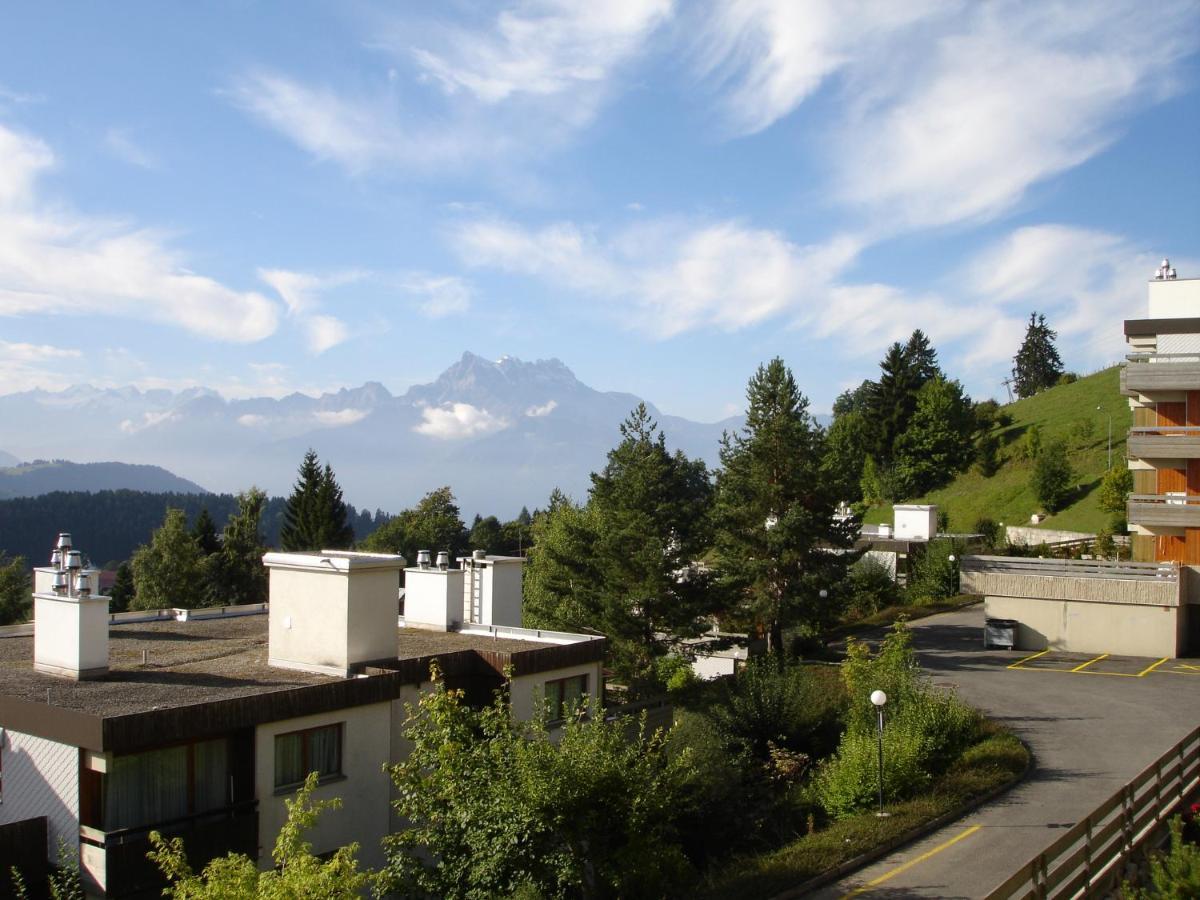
{"x":263,"y":197}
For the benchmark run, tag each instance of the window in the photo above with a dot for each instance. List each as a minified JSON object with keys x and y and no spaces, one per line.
{"x":159,"y":786}
{"x":313,"y":750}
{"x":564,"y":695}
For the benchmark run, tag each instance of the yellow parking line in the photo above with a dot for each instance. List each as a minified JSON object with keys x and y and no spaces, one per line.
{"x":1152,"y":667}
{"x":912,"y":862}
{"x":1080,"y":668}
{"x":1019,"y":662}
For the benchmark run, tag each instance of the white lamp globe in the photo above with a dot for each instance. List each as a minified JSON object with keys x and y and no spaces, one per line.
{"x":878,"y":698}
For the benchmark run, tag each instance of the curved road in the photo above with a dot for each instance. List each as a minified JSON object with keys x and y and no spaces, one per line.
{"x":1089,"y":732}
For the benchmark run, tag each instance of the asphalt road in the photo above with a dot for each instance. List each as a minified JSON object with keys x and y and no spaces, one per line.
{"x":1089,"y":732}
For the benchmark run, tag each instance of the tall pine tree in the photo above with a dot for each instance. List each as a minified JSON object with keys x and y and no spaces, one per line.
{"x":316,"y":516}
{"x":774,"y":512}
{"x":1037,"y":364}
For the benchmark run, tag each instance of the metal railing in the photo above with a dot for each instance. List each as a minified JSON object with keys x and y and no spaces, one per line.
{"x":1088,"y":858}
{"x":1071,"y":568}
{"x":1166,"y":499}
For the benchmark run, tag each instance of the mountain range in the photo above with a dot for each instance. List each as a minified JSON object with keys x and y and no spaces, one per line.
{"x":42,"y":477}
{"x":503,"y":434}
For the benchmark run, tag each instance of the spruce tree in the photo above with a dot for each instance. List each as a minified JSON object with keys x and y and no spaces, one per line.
{"x":205,"y":533}
{"x":316,"y":516}
{"x":236,"y":574}
{"x":1037,"y":364}
{"x":774,"y":512}
{"x":893,"y":400}
{"x":922,"y":358}
{"x":120,"y":595}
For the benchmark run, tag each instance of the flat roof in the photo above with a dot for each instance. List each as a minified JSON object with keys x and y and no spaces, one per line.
{"x":211,"y":675}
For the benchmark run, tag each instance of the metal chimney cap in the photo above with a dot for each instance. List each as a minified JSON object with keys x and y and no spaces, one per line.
{"x":423,"y":559}
{"x":479,"y":554}
{"x":74,"y":560}
{"x":443,"y":560}
{"x":64,"y":540}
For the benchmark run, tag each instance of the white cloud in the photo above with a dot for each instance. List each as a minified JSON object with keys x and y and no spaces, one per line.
{"x":339,"y":418}
{"x":26,"y":366}
{"x":956,"y":119}
{"x":670,"y":277}
{"x":149,"y":420}
{"x":443,"y":295}
{"x":119,"y":143}
{"x":54,"y":262}
{"x":543,"y":48}
{"x":537,"y":412}
{"x":251,"y":420}
{"x":300,"y":292}
{"x":456,"y":421}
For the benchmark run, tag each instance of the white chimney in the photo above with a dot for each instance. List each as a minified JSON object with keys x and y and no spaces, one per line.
{"x":70,"y":618}
{"x":433,"y":595}
{"x":492,"y":589}
{"x":333,"y":610}
{"x":914,"y":522}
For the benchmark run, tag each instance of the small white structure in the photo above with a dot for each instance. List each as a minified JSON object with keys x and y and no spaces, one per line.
{"x":332,"y":610}
{"x":70,"y":630}
{"x":433,"y":595}
{"x":492,"y":589}
{"x":915,"y":522}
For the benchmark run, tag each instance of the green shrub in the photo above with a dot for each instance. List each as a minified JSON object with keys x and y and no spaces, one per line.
{"x":849,"y":781}
{"x":871,"y":587}
{"x":674,"y":673}
{"x":1174,"y":875}
{"x":934,"y":575}
{"x":772,"y":703}
{"x":986,"y":526}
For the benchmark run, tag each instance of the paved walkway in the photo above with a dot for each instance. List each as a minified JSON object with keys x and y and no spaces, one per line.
{"x":1090,"y":731}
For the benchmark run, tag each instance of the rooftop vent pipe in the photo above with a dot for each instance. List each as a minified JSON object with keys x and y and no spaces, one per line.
{"x":443,"y":560}
{"x":423,"y":559}
{"x":1165,"y":273}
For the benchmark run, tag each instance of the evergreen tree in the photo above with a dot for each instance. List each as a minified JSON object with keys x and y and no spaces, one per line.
{"x":167,"y":571}
{"x":922,"y":358}
{"x":121,"y":594}
{"x":1037,"y":364}
{"x":205,"y":533}
{"x":316,"y":516}
{"x":635,"y":579}
{"x":774,"y":512}
{"x":937,"y":443}
{"x":893,"y":401}
{"x":1052,"y":476}
{"x":16,"y":589}
{"x":236,"y":574}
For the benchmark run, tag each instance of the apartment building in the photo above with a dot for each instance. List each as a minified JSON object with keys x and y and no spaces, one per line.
{"x":200,"y":722}
{"x":1162,"y":382}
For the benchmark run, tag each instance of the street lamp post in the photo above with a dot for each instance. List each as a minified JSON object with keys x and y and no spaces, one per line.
{"x":1100,"y":409}
{"x":954,"y":571}
{"x":879,"y":698}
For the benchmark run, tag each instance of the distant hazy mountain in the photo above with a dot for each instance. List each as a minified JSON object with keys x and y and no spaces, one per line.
{"x":41,"y":477}
{"x":502,"y":434}
{"x":7,"y":459}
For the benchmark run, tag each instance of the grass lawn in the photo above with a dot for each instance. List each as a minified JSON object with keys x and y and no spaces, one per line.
{"x":997,"y":760}
{"x":1068,"y":412}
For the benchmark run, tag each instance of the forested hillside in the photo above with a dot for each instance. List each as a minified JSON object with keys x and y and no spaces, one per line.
{"x":42,"y":476}
{"x":109,"y":525}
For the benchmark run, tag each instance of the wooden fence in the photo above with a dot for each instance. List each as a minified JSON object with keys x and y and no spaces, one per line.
{"x":1087,"y":860}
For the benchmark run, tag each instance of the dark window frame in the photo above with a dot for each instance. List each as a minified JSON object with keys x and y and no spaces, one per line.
{"x":555,"y":711}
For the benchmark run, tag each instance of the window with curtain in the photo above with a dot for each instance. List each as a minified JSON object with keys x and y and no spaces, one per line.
{"x":158,"y":786}
{"x":312,"y":750}
{"x":564,"y":695}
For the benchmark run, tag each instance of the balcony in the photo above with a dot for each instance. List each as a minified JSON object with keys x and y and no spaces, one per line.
{"x":1097,"y":581}
{"x":1164,"y":442}
{"x":1147,"y":373}
{"x":1163,"y":510}
{"x":116,"y":860}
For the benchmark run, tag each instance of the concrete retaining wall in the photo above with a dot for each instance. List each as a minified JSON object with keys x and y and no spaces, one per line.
{"x":1124,"y":629}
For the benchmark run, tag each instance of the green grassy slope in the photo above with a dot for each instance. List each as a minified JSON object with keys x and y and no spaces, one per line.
{"x":1060,"y":412}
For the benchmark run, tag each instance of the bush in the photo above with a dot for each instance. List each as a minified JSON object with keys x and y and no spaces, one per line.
{"x":769,"y":703}
{"x":986,"y":526}
{"x":872,"y":587}
{"x":1174,"y":875}
{"x":934,"y":575}
{"x":1067,"y":378}
{"x":1052,"y":476}
{"x":674,"y":673}
{"x":849,"y":781}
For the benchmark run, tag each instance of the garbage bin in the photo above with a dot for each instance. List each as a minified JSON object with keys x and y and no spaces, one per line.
{"x":1000,"y":634}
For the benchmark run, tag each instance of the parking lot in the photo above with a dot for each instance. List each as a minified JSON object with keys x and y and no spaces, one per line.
{"x":1104,"y":664}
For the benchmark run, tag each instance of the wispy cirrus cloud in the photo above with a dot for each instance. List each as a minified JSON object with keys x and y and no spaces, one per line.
{"x":668,"y":277}
{"x":56,"y":262}
{"x":121,"y":144}
{"x":954,"y":120}
{"x":24,"y":366}
{"x":438,"y":296}
{"x":541,"y":68}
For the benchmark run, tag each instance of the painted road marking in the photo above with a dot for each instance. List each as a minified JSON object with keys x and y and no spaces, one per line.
{"x":1080,"y":668}
{"x":912,"y":862}
{"x":1150,"y":668}
{"x":1019,"y":662}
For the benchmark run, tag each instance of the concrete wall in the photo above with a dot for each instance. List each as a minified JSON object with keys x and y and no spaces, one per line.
{"x":502,"y":593}
{"x":527,"y":690}
{"x":1030,"y":537}
{"x":41,"y":778}
{"x":1178,"y":298}
{"x":1082,"y":627}
{"x":365,"y":789}
{"x":1101,"y":591}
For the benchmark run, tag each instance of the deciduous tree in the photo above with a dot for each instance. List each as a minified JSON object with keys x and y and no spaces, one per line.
{"x":236,"y":574}
{"x":433,"y":524}
{"x":1053,"y":476}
